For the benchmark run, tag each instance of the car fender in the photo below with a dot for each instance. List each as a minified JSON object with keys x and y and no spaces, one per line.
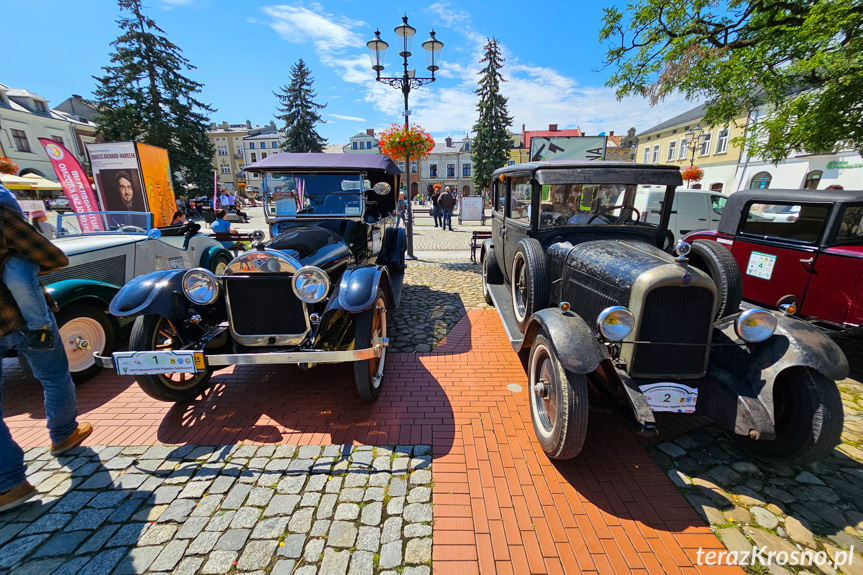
{"x":159,"y":292}
{"x":795,"y":343}
{"x":574,"y":341}
{"x":393,"y":253}
{"x":211,"y":253}
{"x":66,"y":292}
{"x":358,"y":287}
{"x":487,"y":246}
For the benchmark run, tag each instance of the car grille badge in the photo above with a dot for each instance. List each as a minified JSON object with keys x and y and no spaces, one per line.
{"x":259,"y":262}
{"x":686,"y":279}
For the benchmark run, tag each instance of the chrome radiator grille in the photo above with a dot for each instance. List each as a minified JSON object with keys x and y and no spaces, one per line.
{"x":110,"y":270}
{"x":676,"y":315}
{"x":262,"y":305}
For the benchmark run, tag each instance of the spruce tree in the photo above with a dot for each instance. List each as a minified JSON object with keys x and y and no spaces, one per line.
{"x":492,"y":143}
{"x":145,"y":97}
{"x":300,"y":112}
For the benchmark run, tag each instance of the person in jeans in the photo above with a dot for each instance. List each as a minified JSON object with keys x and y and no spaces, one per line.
{"x":436,"y":211}
{"x":401,"y":209}
{"x":51,"y":368}
{"x":446,"y":201}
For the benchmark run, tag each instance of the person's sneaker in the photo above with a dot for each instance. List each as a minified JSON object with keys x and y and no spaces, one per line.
{"x":74,"y":440}
{"x":41,"y":339}
{"x":16,"y":496}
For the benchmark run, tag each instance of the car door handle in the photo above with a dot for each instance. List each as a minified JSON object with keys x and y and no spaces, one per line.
{"x":808,"y":262}
{"x":702,"y":219}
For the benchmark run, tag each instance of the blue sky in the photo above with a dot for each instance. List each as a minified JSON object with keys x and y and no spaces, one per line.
{"x":243,"y":50}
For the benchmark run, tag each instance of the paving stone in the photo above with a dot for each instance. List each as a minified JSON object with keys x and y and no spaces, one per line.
{"x":104,"y":562}
{"x":220,"y":521}
{"x":808,"y":478}
{"x":233,"y":539}
{"x":62,"y":544}
{"x":88,"y":519}
{"x":334,"y":484}
{"x":74,"y":501}
{"x":419,"y":495}
{"x":764,"y":518}
{"x":776,"y":493}
{"x":320,"y":528}
{"x":335,"y":562}
{"x":371,"y":514}
{"x":98,"y":540}
{"x":396,"y":506}
{"x":236,"y":496}
{"x":397,"y":487}
{"x":148,"y":487}
{"x":671,"y":449}
{"x":417,"y":530}
{"x":246,"y":518}
{"x":283,"y":567}
{"x":13,"y":552}
{"x":362,"y":563}
{"x":678,"y":478}
{"x":137,"y":561}
{"x":347,"y":511}
{"x":310,"y":499}
{"x":418,"y":551}
{"x":189,"y":566}
{"x":291,"y":484}
{"x":204,"y":542}
{"x":392,"y":530}
{"x":706,"y":509}
{"x":157,"y":535}
{"x":194,"y":489}
{"x":316,"y":483}
{"x":734,"y":540}
{"x":192,"y":527}
{"x":271,"y":528}
{"x":342,"y":534}
{"x":379,"y":479}
{"x":391,"y":555}
{"x":165,"y":494}
{"x":207,"y":506}
{"x":799,"y":532}
{"x":749,"y":497}
{"x":268,"y":479}
{"x":374,"y":494}
{"x":356,"y":479}
{"x":208,"y":471}
{"x":221,"y":484}
{"x":48,"y":523}
{"x":128,"y":535}
{"x":293,"y":546}
{"x":417,"y":512}
{"x":421,"y":477}
{"x":7,"y":532}
{"x":313,"y":551}
{"x":326,"y":506}
{"x":257,"y":555}
{"x":178,"y":511}
{"x":118,"y":463}
{"x":738,"y":515}
{"x":260,"y":496}
{"x":301,"y":520}
{"x":770,"y":541}
{"x":300,"y":466}
{"x":99,"y":480}
{"x":353,"y":494}
{"x":39,"y":567}
{"x":369,"y":539}
{"x":246,"y":451}
{"x":107,"y":453}
{"x":219,"y":562}
{"x":282,"y":505}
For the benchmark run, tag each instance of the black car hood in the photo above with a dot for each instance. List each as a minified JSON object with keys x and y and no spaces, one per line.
{"x":311,"y":245}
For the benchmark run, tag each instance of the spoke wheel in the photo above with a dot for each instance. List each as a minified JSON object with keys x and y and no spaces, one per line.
{"x":371,"y":327}
{"x":529,"y":281}
{"x":156,"y":333}
{"x":221,"y":266}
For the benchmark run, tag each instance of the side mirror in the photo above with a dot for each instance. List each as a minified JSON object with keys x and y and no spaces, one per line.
{"x":154,"y":233}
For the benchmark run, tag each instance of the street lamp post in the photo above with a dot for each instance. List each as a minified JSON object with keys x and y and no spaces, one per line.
{"x":694,"y":140}
{"x":408,"y":80}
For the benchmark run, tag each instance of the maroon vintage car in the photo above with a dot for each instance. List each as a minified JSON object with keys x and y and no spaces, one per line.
{"x":798,"y":246}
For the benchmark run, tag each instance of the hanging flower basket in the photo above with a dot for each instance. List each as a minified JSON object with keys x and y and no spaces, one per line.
{"x":7,"y":166}
{"x":693,"y":174}
{"x":397,"y":142}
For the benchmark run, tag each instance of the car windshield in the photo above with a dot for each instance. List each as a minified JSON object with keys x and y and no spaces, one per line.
{"x":91,"y":223}
{"x":310,"y":194}
{"x":582,"y":204}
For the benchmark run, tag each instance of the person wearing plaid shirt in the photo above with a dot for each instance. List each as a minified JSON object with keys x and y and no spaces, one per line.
{"x":51,"y":368}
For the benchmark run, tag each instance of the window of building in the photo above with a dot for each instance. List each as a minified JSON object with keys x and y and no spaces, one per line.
{"x":812,"y":179}
{"x":467,"y":146}
{"x":355,"y":145}
{"x":465,"y":170}
{"x":402,"y":165}
{"x":722,"y":142}
{"x":672,"y":151}
{"x":432,"y":170}
{"x":20,"y":139}
{"x":705,"y":144}
{"x":760,"y":181}
{"x":716,"y":187}
{"x":274,"y":144}
{"x":646,"y":154}
{"x":656,"y":154}
{"x":223,"y":150}
{"x":510,"y":163}
{"x":254,"y":157}
{"x":225,"y":168}
{"x":251,"y":145}
{"x":681,"y":155}
{"x":58,"y":139}
{"x":450,"y":170}
{"x":40,"y":106}
{"x":264,"y":156}
{"x":414,"y":169}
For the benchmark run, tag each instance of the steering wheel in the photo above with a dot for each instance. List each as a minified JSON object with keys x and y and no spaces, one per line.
{"x":612,"y":208}
{"x":335,"y":205}
{"x":125,"y":229}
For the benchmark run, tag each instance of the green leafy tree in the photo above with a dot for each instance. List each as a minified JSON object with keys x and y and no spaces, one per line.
{"x":144,"y":96}
{"x":801,"y":59}
{"x":492,"y":143}
{"x":300,"y":112}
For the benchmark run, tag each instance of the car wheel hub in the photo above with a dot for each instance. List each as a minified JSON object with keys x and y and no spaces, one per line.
{"x":81,"y":337}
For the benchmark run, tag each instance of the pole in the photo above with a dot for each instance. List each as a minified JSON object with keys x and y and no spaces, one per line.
{"x":409,"y":222}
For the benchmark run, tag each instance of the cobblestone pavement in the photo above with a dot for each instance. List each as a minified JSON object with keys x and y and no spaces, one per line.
{"x":276,"y":509}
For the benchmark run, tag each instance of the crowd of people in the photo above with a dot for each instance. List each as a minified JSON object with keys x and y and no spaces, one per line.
{"x":233,"y":203}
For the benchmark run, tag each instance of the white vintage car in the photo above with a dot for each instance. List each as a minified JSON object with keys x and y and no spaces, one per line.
{"x":123,"y":246}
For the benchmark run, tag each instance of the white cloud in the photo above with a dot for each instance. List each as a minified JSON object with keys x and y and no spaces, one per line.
{"x":350,"y":118}
{"x":330,"y":34}
{"x":448,"y":14}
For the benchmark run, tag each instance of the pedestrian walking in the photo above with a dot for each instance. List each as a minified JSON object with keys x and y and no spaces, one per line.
{"x":446,"y":202}
{"x":50,"y":366}
{"x":401,"y":209}
{"x":436,"y":211}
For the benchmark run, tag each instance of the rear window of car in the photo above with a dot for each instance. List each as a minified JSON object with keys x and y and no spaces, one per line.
{"x":806,"y":227}
{"x":851,"y":225}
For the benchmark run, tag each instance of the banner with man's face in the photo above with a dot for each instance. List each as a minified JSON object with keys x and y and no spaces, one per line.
{"x":118,"y":179}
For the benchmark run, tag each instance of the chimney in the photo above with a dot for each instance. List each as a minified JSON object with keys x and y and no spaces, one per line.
{"x":611,"y":133}
{"x":449,"y":142}
{"x":249,"y":124}
{"x":77,"y":96}
{"x":552,"y":127}
{"x":224,"y":125}
{"x":370,"y":132}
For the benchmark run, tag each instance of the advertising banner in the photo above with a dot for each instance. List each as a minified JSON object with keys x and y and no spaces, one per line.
{"x":118,"y":178}
{"x":567,"y":148}
{"x":75,"y":183}
{"x":156,"y":171}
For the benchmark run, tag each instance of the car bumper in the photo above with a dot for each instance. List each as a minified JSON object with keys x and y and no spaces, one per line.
{"x":265,"y":358}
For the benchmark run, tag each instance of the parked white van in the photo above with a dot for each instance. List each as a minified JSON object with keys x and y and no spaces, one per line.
{"x":692,"y":209}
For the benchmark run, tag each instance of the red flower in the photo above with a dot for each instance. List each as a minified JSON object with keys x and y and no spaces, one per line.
{"x":7,"y":166}
{"x":397,"y":142}
{"x":692,"y":174}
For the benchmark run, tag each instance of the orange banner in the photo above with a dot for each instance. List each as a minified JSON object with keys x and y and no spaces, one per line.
{"x":156,"y":173}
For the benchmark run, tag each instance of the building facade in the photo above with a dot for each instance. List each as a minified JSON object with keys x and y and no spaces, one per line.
{"x":684,"y":141}
{"x":230,"y":151}
{"x":450,"y":163}
{"x":259,"y":146}
{"x":363,"y":143}
{"x":25,"y":117}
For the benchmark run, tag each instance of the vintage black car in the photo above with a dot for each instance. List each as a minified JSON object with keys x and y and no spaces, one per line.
{"x":317,"y":292}
{"x":599,"y":309}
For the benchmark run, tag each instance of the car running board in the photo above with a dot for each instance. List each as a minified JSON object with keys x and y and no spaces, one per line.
{"x":503,"y":304}
{"x":397,"y":280}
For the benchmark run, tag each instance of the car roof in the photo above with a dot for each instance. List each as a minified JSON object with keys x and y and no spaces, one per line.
{"x":283,"y":162}
{"x":737,"y":202}
{"x":585,"y":171}
{"x":569,"y":164}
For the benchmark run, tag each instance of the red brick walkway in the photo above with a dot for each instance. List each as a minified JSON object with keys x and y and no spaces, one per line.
{"x":500,"y":505}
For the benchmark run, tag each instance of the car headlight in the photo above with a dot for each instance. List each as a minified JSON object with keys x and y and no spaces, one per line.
{"x":200,"y":286}
{"x":615,"y":323}
{"x":311,"y":284}
{"x":755,"y":325}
